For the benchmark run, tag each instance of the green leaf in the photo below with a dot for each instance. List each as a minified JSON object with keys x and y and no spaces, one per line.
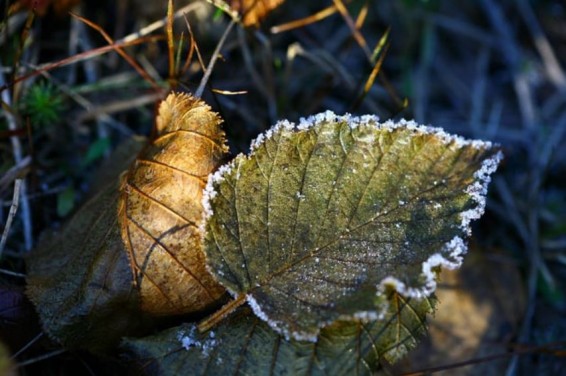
{"x":324,"y":217}
{"x":80,"y":279}
{"x":65,"y":201}
{"x":244,"y":344}
{"x":96,"y":151}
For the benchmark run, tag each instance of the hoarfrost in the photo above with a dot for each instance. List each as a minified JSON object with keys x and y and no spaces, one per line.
{"x":279,"y":327}
{"x":209,"y":192}
{"x":367,"y":316}
{"x":188,"y":341}
{"x":263,"y":137}
{"x":255,"y":144}
{"x":478,"y":191}
{"x":365,"y":120}
{"x":450,"y":257}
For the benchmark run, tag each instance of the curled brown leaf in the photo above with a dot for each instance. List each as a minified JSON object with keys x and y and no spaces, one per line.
{"x":161,"y":195}
{"x":254,"y":11}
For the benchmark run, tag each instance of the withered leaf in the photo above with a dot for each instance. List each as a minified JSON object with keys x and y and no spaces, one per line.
{"x":244,"y":344}
{"x":134,"y":249}
{"x":162,"y":208}
{"x":252,"y":11}
{"x":80,"y":280}
{"x":323,"y":217}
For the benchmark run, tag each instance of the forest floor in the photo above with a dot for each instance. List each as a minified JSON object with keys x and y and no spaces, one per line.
{"x":487,"y":69}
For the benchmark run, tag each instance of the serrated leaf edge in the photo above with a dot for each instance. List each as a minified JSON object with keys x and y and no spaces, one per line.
{"x":449,"y":257}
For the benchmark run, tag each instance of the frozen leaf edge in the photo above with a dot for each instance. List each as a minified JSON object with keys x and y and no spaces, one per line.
{"x":451,"y":254}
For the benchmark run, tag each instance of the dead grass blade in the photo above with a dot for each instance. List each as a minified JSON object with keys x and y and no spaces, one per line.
{"x":120,"y":51}
{"x":170,"y":41}
{"x":215,"y":54}
{"x":339,"y":4}
{"x":77,"y":58}
{"x":519,"y":350}
{"x":318,"y":16}
{"x":194,"y":48}
{"x":11,"y":214}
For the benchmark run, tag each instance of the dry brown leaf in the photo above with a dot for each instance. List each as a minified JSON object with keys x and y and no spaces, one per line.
{"x":61,"y":7}
{"x":161,"y":196}
{"x":254,"y":11}
{"x":133,"y":252}
{"x":480,"y":308}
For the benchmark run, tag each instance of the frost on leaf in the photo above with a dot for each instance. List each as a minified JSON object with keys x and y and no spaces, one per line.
{"x":188,"y":340}
{"x":323,"y":219}
{"x":244,"y":344}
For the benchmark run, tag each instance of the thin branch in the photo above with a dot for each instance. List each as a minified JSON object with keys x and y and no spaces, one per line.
{"x":194,"y":46}
{"x":41,"y":357}
{"x":318,"y":16}
{"x":119,"y":50}
{"x":27,"y":345}
{"x":11,"y":214}
{"x":19,"y":170}
{"x":170,"y":42}
{"x":353,"y":28}
{"x":76,"y":58}
{"x":18,"y":156}
{"x":12,"y":274}
{"x":215,"y":54}
{"x":553,"y":68}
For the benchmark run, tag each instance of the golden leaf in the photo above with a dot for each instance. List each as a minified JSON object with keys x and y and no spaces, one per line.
{"x":253,"y":11}
{"x":161,"y":199}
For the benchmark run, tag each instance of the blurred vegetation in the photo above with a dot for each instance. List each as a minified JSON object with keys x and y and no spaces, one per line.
{"x":488,"y":69}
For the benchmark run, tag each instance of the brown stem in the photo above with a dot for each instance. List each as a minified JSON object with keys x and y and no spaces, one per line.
{"x":221,"y":314}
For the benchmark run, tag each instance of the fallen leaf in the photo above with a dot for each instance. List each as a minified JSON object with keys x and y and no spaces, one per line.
{"x":479,"y":314}
{"x":80,"y":279}
{"x":61,"y":7}
{"x":133,"y":250}
{"x":251,"y":11}
{"x":322,"y":218}
{"x":244,"y":344}
{"x":161,"y":197}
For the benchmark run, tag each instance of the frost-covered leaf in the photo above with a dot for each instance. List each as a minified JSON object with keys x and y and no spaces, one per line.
{"x":161,"y":197}
{"x":244,"y":344}
{"x":322,"y":218}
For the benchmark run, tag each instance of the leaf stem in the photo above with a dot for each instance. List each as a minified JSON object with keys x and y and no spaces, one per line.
{"x":221,"y":314}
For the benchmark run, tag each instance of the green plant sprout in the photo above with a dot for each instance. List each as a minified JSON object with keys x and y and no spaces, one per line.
{"x":43,"y":104}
